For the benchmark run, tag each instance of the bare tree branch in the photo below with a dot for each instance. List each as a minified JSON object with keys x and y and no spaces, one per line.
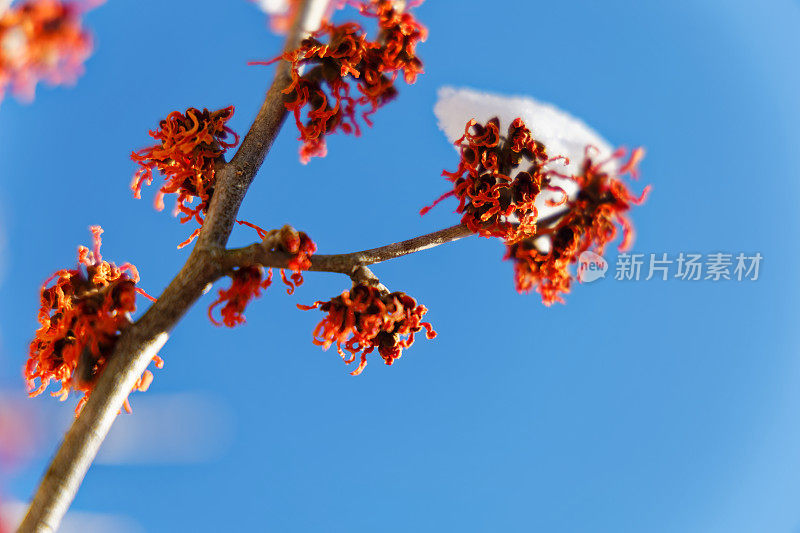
{"x":261,"y":254}
{"x":140,"y":342}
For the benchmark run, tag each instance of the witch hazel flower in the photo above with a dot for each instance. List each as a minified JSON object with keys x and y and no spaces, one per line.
{"x":400,"y":33}
{"x":581,"y":197}
{"x":338,"y":73}
{"x":42,"y":40}
{"x":289,"y":241}
{"x":82,"y":313}
{"x":593,"y":220}
{"x":189,"y":148}
{"x":487,"y":194}
{"x":247,"y":282}
{"x":366,"y":318}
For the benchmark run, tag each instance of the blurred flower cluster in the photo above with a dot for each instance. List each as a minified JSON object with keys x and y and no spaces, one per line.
{"x":590,"y":223}
{"x":42,"y":40}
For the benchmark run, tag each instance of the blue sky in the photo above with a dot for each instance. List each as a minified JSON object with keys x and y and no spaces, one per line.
{"x":638,"y":406}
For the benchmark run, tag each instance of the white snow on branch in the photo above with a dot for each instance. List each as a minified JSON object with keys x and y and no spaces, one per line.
{"x":273,"y":7}
{"x":561,"y":133}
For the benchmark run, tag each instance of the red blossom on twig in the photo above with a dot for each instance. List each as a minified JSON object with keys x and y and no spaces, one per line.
{"x":400,"y":34}
{"x":42,"y":40}
{"x":247,"y":282}
{"x":592,"y":221}
{"x":324,"y":92}
{"x":289,"y":241}
{"x":190,"y":146}
{"x":490,"y":188}
{"x":82,"y":315}
{"x":365,"y":318}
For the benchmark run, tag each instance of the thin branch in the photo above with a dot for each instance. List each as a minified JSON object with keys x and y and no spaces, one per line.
{"x":363,"y":274}
{"x":236,"y":177}
{"x":260,"y":253}
{"x":140,"y":342}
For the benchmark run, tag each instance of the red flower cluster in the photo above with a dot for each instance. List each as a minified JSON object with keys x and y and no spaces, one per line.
{"x":400,"y":34}
{"x":41,"y":40}
{"x":349,"y":57}
{"x":301,"y":248}
{"x":289,"y":241}
{"x":189,"y":148}
{"x":591,"y":222}
{"x":248,"y":281}
{"x":246,"y":284}
{"x":81,"y":317}
{"x":487,"y":194}
{"x":365,"y":318}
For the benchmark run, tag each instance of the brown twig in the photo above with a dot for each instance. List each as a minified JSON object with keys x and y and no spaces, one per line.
{"x":140,"y":342}
{"x":261,"y":254}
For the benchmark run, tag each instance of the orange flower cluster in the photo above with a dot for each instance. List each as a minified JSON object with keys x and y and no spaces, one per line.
{"x":365,"y":318}
{"x":400,"y":34}
{"x":301,"y":248}
{"x":81,"y":317}
{"x":600,"y":206}
{"x":487,"y":194}
{"x":41,"y":40}
{"x":189,"y":148}
{"x":349,"y":58}
{"x":289,"y":241}
{"x":247,"y":282}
